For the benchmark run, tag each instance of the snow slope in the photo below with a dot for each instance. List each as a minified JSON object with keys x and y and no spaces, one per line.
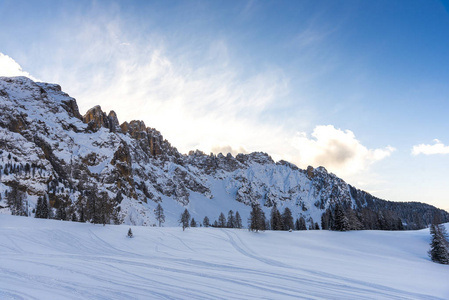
{"x":48,"y":259}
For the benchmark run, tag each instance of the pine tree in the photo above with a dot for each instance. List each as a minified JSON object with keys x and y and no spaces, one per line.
{"x":15,"y":201}
{"x":193,"y":223}
{"x":222,"y":221}
{"x":82,"y":219}
{"x":159,"y":212}
{"x":41,"y":208}
{"x":61,"y":214}
{"x":341,"y":221}
{"x":206,"y":222}
{"x":257,"y":218}
{"x":185,"y":219}
{"x":302,"y":223}
{"x":130,"y":233}
{"x":92,"y":211}
{"x":327,"y":220}
{"x":275,"y":219}
{"x":287,"y":219}
{"x":231,"y":220}
{"x":238,"y":220}
{"x":439,"y":245}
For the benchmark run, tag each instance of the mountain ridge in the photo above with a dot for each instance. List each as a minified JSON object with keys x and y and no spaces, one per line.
{"x":85,"y":164}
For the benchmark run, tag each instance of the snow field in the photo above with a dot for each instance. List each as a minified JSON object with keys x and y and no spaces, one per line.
{"x":48,"y":259}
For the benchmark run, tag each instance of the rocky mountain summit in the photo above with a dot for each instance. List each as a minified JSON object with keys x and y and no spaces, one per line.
{"x":92,"y":168}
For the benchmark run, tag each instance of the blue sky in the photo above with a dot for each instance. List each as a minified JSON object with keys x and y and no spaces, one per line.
{"x":351,"y":85}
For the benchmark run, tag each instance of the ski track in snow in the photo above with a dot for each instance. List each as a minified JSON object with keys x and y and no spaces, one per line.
{"x":46,"y":259}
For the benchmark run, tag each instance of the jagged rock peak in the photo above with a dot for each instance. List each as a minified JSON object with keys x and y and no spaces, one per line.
{"x":288,"y":164}
{"x":96,"y":118}
{"x":113,"y":122}
{"x":255,"y":157}
{"x":310,"y":173}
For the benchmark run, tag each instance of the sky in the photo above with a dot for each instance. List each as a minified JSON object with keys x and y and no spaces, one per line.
{"x":359,"y":87}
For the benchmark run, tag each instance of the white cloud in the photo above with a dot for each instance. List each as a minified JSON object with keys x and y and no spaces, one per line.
{"x":9,"y":67}
{"x":437,"y":148}
{"x":337,"y":150}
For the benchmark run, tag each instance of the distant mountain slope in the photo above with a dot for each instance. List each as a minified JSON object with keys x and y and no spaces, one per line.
{"x":92,"y":168}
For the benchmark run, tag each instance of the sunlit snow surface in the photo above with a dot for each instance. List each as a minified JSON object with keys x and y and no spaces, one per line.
{"x":47,"y":259}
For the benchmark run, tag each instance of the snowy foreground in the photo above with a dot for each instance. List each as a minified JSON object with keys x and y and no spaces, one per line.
{"x":47,"y":259}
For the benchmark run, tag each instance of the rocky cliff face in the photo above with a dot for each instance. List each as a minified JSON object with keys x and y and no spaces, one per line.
{"x":88,"y":164}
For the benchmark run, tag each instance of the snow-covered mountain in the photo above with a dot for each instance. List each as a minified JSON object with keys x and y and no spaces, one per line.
{"x":88,"y":164}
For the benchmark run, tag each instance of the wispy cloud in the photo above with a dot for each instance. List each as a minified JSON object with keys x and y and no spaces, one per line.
{"x":210,"y":104}
{"x":437,"y":148}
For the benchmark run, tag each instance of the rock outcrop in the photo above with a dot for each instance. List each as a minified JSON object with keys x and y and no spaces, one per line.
{"x":90,"y":164}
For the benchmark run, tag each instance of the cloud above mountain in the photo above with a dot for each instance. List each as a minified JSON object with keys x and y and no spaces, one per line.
{"x":9,"y":67}
{"x":336,"y":149}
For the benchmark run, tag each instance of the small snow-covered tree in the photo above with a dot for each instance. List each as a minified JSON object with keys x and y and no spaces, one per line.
{"x":193,"y":223}
{"x":130,"y":233}
{"x":185,"y":219}
{"x":439,"y":246}
{"x":159,"y":212}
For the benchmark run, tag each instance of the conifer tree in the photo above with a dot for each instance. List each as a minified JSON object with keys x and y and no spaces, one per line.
{"x":185,"y":219}
{"x":327,"y":220}
{"x":61,"y":214}
{"x":15,"y":201}
{"x":302,"y":223}
{"x":287,"y":219}
{"x":275,"y":219}
{"x":41,"y":208}
{"x":341,"y":221}
{"x":206,"y":222}
{"x":222,"y":221}
{"x":130,"y":233}
{"x":257,"y":218}
{"x":82,"y":219}
{"x":439,"y":245}
{"x":193,"y":223}
{"x":231,"y":220}
{"x":159,"y":212}
{"x":238,"y":220}
{"x":297,"y":224}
